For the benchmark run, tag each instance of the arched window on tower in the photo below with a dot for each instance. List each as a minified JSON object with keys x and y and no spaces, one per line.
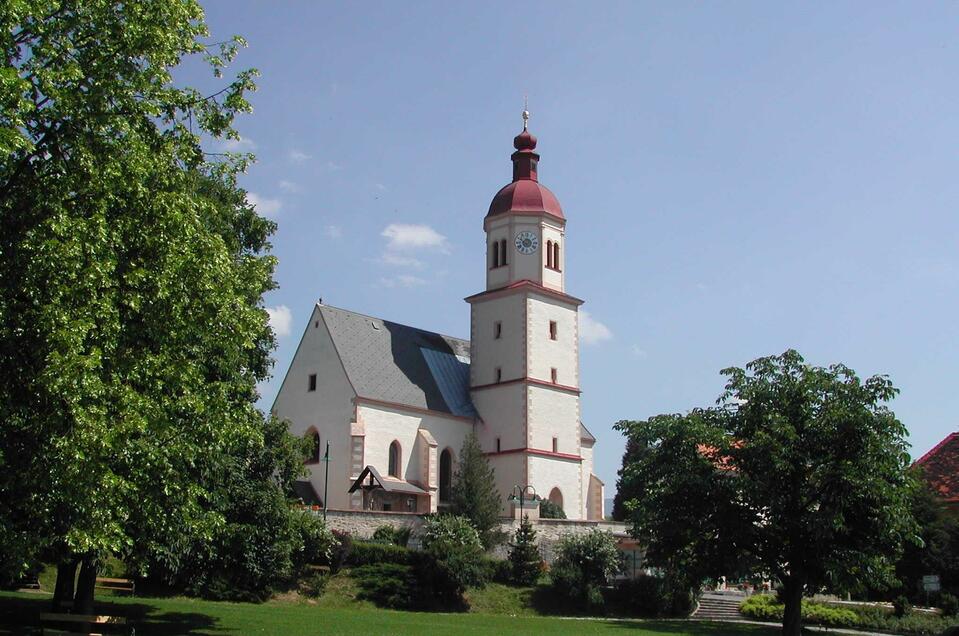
{"x":556,"y":255}
{"x":446,"y":475}
{"x":556,"y":498}
{"x":313,"y":457}
{"x":502,"y":252}
{"x":549,"y":254}
{"x":394,"y":467}
{"x":495,"y":255}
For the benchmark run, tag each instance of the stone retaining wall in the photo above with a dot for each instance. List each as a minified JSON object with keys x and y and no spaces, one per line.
{"x":363,"y":523}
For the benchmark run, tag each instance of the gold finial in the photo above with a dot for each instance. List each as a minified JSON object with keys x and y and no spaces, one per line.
{"x":525,"y":112}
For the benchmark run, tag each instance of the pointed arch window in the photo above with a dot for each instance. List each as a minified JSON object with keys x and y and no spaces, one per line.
{"x":446,"y":475}
{"x":394,"y":461}
{"x":549,"y":254}
{"x":502,"y":252}
{"x":313,"y":456}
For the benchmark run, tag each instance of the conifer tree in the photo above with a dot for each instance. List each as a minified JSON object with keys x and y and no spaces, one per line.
{"x":474,"y":493}
{"x":525,"y":560}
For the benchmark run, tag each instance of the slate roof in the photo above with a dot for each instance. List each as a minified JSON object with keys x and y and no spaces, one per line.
{"x":940,"y":468}
{"x":391,"y":362}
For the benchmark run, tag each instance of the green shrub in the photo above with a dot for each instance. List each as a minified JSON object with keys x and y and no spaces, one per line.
{"x":388,"y":585}
{"x":764,"y":607}
{"x":949,"y":604}
{"x":649,"y":597}
{"x":389,"y":534}
{"x":340,"y":552}
{"x":549,"y":510}
{"x":901,"y":606}
{"x":455,"y":545}
{"x":583,"y":565}
{"x":497,"y":570}
{"x":365,"y":553}
{"x":313,"y":585}
{"x":828,"y":615}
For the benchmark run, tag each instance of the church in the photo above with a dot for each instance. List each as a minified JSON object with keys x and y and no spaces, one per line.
{"x":395,"y":403}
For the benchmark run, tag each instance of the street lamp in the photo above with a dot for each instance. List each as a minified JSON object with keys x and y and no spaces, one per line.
{"x":519,"y":494}
{"x":326,"y":479}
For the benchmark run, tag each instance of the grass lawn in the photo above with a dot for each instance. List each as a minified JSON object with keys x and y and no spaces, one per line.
{"x":330,"y":615}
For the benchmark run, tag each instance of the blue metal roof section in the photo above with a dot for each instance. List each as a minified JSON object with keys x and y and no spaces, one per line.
{"x":452,"y":375}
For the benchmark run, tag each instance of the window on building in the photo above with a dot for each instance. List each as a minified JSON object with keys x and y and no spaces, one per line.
{"x":499,"y":374}
{"x":502,"y":252}
{"x":497,"y":329}
{"x":446,"y":475}
{"x":555,"y":445}
{"x":556,"y":255}
{"x":497,"y":445}
{"x":387,"y":506}
{"x":552,"y":330}
{"x":312,"y":384}
{"x":495,"y":255}
{"x":313,"y":456}
{"x":549,"y":254}
{"x":410,"y":504}
{"x":552,"y":374}
{"x":394,"y":467}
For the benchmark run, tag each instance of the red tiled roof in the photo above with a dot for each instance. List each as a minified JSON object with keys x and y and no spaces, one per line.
{"x":940,"y":467}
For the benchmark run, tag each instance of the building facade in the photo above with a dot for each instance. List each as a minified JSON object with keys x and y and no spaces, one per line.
{"x":396,"y":403}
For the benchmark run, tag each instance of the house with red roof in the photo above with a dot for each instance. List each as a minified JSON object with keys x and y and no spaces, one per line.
{"x":940,"y":469}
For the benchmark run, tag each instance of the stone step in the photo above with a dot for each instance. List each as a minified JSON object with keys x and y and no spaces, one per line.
{"x":718,"y":608}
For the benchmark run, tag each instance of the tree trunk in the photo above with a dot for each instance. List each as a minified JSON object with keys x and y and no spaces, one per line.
{"x":83,"y":603}
{"x":66,"y":574}
{"x":792,"y":613}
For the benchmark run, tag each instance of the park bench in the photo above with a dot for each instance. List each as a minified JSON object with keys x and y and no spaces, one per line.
{"x":117,"y":585}
{"x":29,"y":583}
{"x":90,"y":625}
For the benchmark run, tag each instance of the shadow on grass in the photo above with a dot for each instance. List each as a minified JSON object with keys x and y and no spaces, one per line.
{"x":20,"y":614}
{"x":705,"y":628}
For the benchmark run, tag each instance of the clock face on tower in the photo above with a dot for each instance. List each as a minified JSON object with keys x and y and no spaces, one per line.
{"x":526,"y":242}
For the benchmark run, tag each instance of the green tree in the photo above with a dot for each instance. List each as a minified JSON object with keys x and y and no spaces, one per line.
{"x":584,"y":564}
{"x":524,"y":557}
{"x":132,"y":333}
{"x":474,"y":493}
{"x":937,"y":552}
{"x":799,"y":472}
{"x":627,"y":489}
{"x":550,"y":510}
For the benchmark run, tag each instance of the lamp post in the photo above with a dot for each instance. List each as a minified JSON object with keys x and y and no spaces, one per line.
{"x":521,"y":496}
{"x":326,"y":479}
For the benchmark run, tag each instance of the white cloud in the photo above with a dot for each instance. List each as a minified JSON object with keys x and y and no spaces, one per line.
{"x":298,"y":156}
{"x":332,"y":165}
{"x":289,"y":186}
{"x":334,"y":231}
{"x":402,"y":280}
{"x":264,"y":206}
{"x":591,"y":331}
{"x":280,"y":319}
{"x":379,"y":186}
{"x":243,"y":144}
{"x":638,"y":351}
{"x":390,"y":258}
{"x":411,"y":237}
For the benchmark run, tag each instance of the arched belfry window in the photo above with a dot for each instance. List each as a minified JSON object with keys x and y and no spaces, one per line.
{"x":556,"y":255}
{"x":549,"y":254}
{"x":394,"y":467}
{"x":313,"y":456}
{"x":495,"y":254}
{"x":502,"y":252}
{"x":446,"y":475}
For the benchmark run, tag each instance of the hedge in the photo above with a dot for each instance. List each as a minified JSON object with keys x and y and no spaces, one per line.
{"x":366,"y":553}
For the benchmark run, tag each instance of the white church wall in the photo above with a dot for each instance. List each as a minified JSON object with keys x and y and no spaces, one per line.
{"x":546,"y":473}
{"x":329,"y":408}
{"x":385,"y":424}
{"x":553,"y":413}
{"x":509,"y":471}
{"x":546,"y":354}
{"x":488,"y":352}
{"x":551,"y":277}
{"x":498,"y":230}
{"x":502,"y":409}
{"x":527,"y":266}
{"x":586,"y":452}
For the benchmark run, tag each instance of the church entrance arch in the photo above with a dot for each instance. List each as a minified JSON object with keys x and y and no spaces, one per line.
{"x":446,"y":475}
{"x":556,"y":497}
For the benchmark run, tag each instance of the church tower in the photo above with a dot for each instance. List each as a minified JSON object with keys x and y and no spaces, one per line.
{"x":524,"y":368}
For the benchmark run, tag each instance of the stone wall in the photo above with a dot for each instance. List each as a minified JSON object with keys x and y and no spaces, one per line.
{"x":362,"y":524}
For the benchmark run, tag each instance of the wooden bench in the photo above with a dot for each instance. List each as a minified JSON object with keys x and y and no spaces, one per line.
{"x":28,"y":583}
{"x":117,"y":585}
{"x":90,"y":625}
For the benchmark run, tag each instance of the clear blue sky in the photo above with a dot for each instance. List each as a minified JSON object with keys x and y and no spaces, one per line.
{"x":739,"y":178}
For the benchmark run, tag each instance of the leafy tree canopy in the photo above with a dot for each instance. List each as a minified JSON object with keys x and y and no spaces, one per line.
{"x":797,"y":474}
{"x":132,"y":333}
